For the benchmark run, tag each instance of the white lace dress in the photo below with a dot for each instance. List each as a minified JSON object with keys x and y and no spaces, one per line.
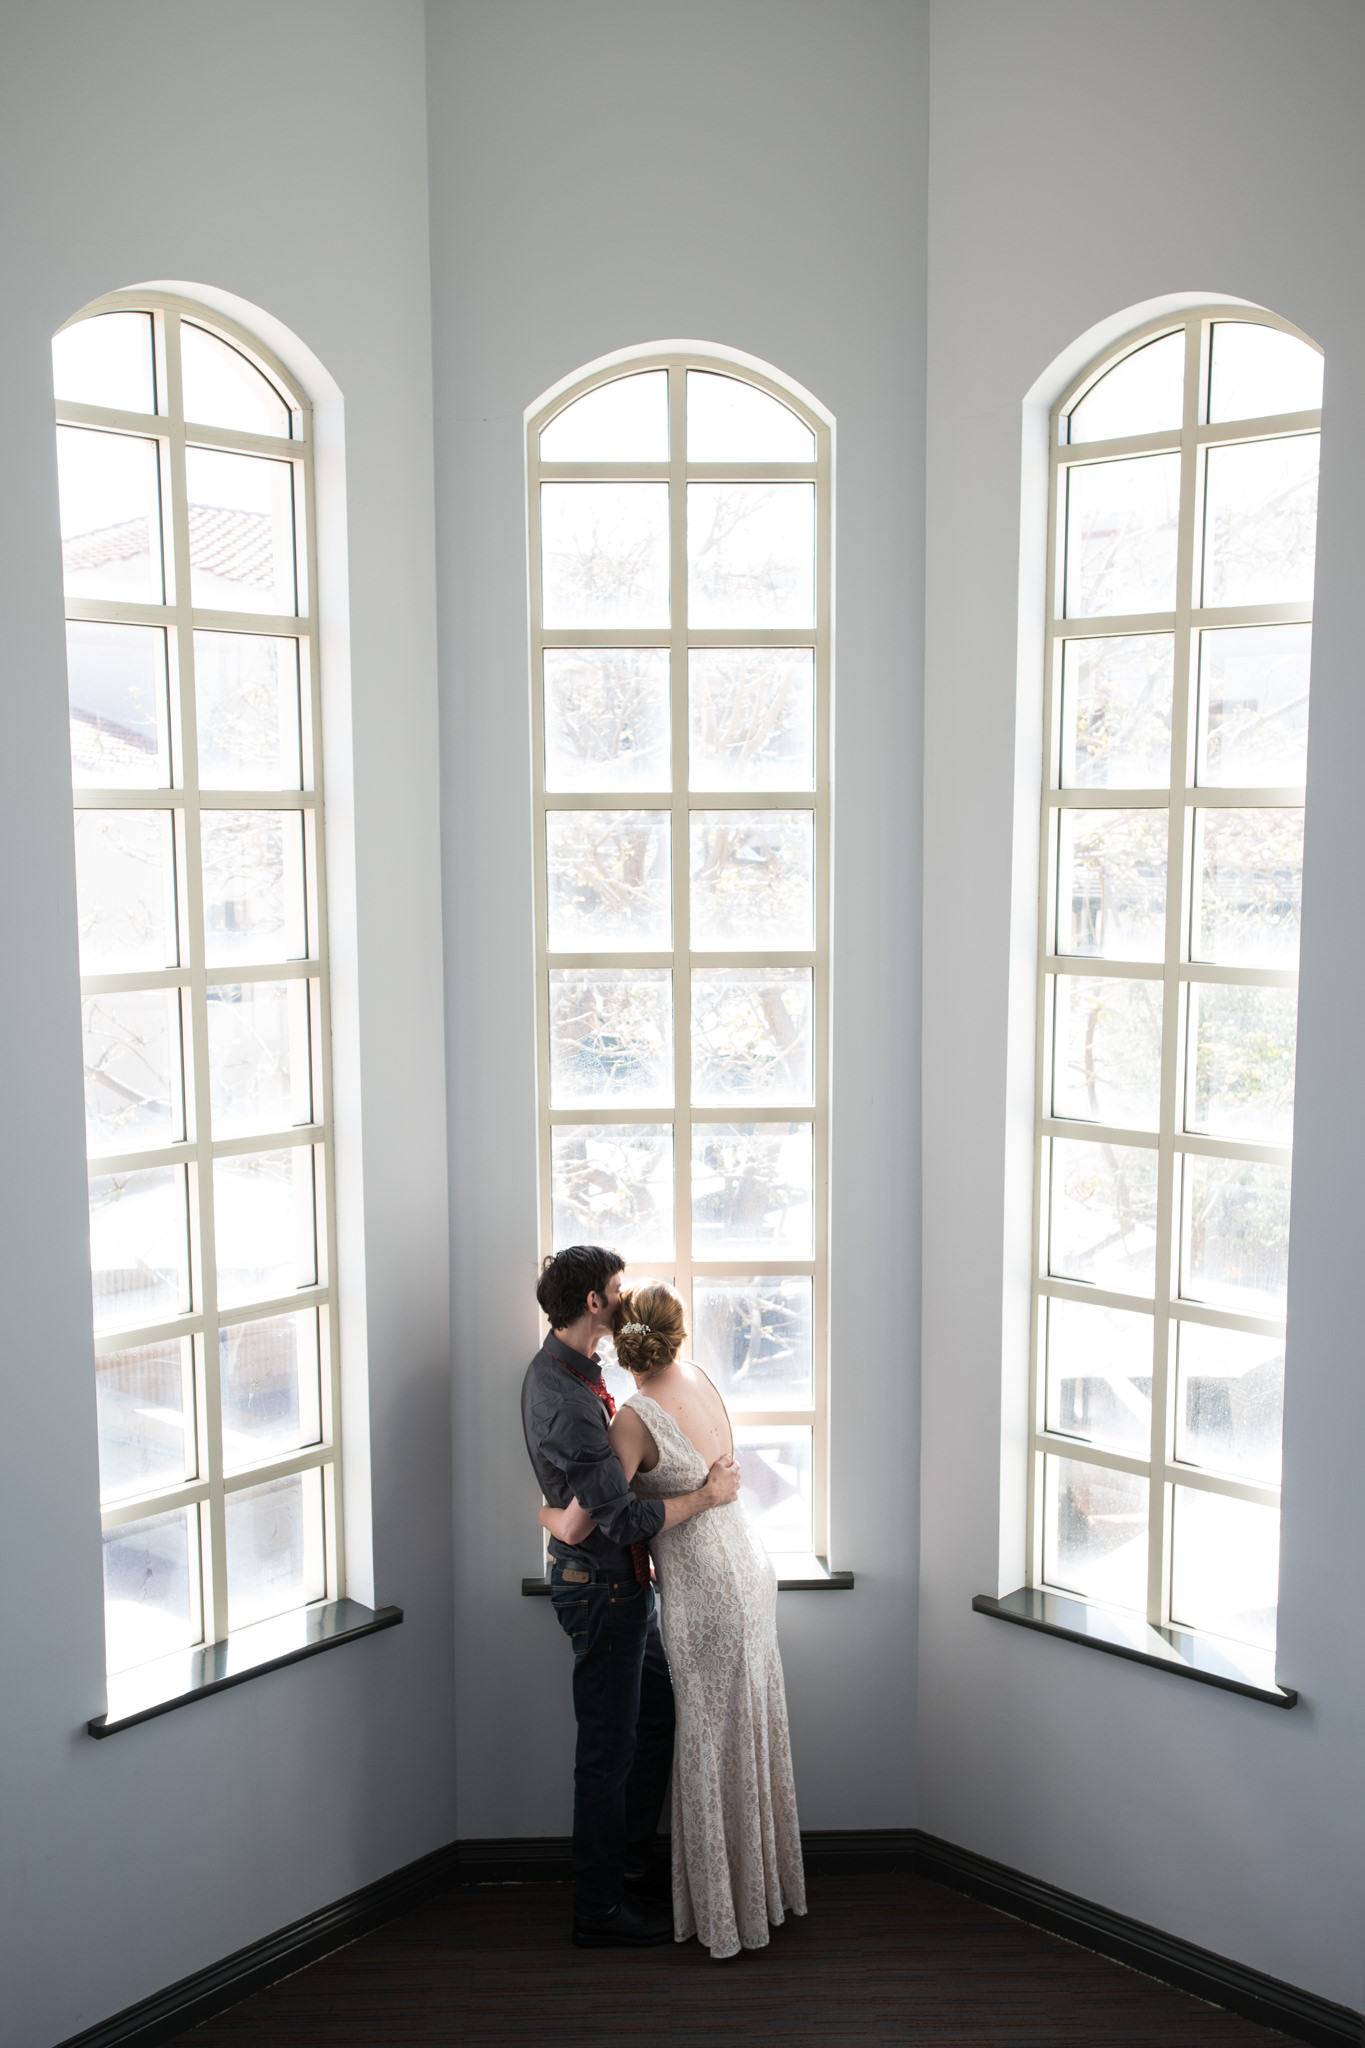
{"x":736,"y":1844}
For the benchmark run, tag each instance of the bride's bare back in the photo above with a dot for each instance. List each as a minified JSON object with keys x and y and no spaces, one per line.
{"x":684,"y":1391}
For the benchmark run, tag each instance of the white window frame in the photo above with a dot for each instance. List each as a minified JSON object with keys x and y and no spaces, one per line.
{"x":678,"y":637}
{"x":1191,"y":440}
{"x":209,"y":1491}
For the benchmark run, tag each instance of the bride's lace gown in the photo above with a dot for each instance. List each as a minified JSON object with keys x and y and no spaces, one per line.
{"x":736,"y":1844}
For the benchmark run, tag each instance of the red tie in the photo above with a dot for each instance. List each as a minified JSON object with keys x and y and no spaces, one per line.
{"x":639,"y":1552}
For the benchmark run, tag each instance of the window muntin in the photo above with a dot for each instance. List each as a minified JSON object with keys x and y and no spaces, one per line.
{"x":201,"y":895}
{"x":680,"y":600}
{"x":1183,"y":515}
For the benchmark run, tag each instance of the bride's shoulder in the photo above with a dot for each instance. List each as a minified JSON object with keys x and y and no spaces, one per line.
{"x":700,"y":1382}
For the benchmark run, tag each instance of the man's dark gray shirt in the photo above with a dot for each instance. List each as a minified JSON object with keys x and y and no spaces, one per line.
{"x":566,"y":1434}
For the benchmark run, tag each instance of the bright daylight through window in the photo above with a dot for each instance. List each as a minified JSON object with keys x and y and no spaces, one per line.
{"x":680,"y":550}
{"x":1184,"y":508}
{"x":185,"y":470}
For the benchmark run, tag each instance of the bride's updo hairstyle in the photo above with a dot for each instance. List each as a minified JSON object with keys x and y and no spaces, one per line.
{"x":650,"y":1328}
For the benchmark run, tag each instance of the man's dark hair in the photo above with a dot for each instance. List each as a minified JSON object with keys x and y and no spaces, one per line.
{"x":567,"y":1279}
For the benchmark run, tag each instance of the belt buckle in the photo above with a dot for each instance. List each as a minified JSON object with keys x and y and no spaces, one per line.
{"x":575,"y":1578}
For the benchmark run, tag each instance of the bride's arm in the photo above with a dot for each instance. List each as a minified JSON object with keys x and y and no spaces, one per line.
{"x":570,"y":1524}
{"x":632,"y":1443}
{"x":638,"y":1452}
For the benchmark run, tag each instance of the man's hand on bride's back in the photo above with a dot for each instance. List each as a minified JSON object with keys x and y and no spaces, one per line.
{"x":722,"y":1481}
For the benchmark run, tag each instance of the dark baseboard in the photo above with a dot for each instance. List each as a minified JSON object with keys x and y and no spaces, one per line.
{"x":1301,"y":2014}
{"x":543,"y":1859}
{"x":200,"y":1997}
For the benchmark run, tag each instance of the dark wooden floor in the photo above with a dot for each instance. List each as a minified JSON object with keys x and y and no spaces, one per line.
{"x":878,"y":1962}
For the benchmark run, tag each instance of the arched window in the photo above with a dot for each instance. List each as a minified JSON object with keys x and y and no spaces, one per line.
{"x":680,"y":610}
{"x":1184,"y":506}
{"x":185,"y":466}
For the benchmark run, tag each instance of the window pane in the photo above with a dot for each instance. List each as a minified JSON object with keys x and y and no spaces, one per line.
{"x":730,"y":421}
{"x":271,"y":1400}
{"x":752,"y":1191}
{"x":604,"y":555}
{"x":751,"y":555}
{"x":116,"y":680}
{"x":1256,"y":371}
{"x":246,"y":689}
{"x":606,"y":718}
{"x":151,"y":1589}
{"x":145,"y":1402}
{"x":133,"y":1090}
{"x":1144,"y":394}
{"x":1121,"y":524}
{"x":1236,"y":1235}
{"x":754,"y":1338}
{"x":1242,"y":1041}
{"x":751,"y":1035}
{"x":106,"y":360}
{"x":775,"y":1482}
{"x":253,"y":887}
{"x":1111,"y":884}
{"x":259,"y":1056}
{"x":1230,"y":1403}
{"x":223,"y":389}
{"x":1225,"y":1566}
{"x":264,"y":1224}
{"x":611,"y":1037}
{"x":125,"y":890}
{"x":608,"y":881}
{"x":1116,"y":712}
{"x":1095,"y":1532}
{"x":1249,"y":869}
{"x":1260,"y":522}
{"x":139,"y":1242}
{"x":241,"y":511}
{"x":111,"y":516}
{"x":1103,"y":1216}
{"x":275,"y":1554}
{"x":751,"y":712}
{"x":1107,"y":1050}
{"x":1253,"y":706}
{"x":612,"y":1184}
{"x":625,"y":421}
{"x":753,"y":880}
{"x":1099,"y":1375}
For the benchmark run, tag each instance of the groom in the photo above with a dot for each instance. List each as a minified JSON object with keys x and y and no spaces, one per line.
{"x":600,"y":1589}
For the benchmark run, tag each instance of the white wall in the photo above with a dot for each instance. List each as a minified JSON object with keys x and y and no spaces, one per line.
{"x":1088,"y":156}
{"x":619,"y":172}
{"x":274,"y":149}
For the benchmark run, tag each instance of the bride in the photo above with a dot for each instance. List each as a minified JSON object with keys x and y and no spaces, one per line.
{"x":736,"y":1846}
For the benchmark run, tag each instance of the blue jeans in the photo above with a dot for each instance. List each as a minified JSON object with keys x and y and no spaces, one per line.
{"x":623,"y":1703}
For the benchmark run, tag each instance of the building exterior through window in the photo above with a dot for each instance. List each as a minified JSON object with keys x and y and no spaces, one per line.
{"x":1183,"y":520}
{"x":185,"y":468}
{"x":680,"y":605}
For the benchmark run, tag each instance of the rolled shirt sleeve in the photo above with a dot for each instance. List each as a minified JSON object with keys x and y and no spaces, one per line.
{"x":593,"y":1477}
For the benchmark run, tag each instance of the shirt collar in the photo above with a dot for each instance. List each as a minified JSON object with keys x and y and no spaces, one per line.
{"x":566,"y":1354}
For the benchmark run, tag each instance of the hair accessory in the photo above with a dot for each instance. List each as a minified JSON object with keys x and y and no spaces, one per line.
{"x":635,"y":1330}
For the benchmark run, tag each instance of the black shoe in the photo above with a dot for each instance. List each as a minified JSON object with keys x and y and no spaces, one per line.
{"x":628,"y":1926}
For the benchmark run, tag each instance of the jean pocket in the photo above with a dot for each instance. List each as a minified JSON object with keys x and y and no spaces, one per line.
{"x":571,"y":1612}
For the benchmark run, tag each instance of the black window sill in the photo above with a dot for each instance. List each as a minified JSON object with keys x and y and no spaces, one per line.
{"x":152,"y":1689}
{"x":1178,"y":1650}
{"x":798,"y":1573}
